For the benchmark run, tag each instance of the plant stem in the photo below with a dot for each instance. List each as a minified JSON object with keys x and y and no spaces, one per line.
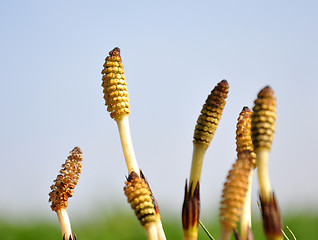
{"x":64,"y":222}
{"x":126,"y":143}
{"x":161,"y":233}
{"x":246,"y":222}
{"x":263,"y":175}
{"x":196,"y":165}
{"x":189,"y":237}
{"x":151,"y":231}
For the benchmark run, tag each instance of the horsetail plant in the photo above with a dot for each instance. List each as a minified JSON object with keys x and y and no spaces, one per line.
{"x":263,"y":129}
{"x":203,"y":135}
{"x":244,"y":143}
{"x":63,"y":188}
{"x":137,"y":189}
{"x":117,"y":102}
{"x":234,"y":194}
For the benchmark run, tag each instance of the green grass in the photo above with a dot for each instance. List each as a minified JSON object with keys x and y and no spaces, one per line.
{"x":125,"y":226}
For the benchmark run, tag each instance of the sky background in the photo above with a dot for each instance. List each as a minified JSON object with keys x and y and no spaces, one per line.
{"x":174,"y":53}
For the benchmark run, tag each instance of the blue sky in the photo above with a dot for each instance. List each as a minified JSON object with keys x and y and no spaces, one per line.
{"x":174,"y":53}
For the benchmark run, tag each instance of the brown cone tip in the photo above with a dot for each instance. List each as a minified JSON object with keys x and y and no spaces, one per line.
{"x":64,"y":185}
{"x":266,"y":92}
{"x":115,"y":52}
{"x":140,"y":199}
{"x":211,"y":114}
{"x":246,"y":109}
{"x":191,"y":206}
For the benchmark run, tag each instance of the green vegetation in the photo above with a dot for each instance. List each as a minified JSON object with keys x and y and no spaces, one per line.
{"x":125,"y":226}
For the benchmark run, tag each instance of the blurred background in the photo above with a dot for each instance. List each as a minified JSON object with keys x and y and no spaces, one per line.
{"x":174,"y":53}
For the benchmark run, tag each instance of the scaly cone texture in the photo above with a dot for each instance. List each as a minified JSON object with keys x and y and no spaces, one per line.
{"x":263,"y":120}
{"x":66,"y":180}
{"x":211,"y":114}
{"x":140,"y":198}
{"x":244,"y":143}
{"x":114,"y":84}
{"x":234,"y":194}
{"x":263,"y":129}
{"x":143,"y":202}
{"x":64,"y":188}
{"x":243,"y":134}
{"x":203,"y":134}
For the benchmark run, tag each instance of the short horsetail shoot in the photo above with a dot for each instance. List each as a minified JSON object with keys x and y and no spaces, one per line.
{"x":244,"y":143}
{"x":263,"y":129}
{"x":137,"y":188}
{"x":63,"y":188}
{"x":204,"y":131}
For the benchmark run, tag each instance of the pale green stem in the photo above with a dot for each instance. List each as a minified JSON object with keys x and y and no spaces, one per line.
{"x":126,"y":143}
{"x":151,"y":231}
{"x":196,"y":165}
{"x":161,"y":233}
{"x":263,"y":174}
{"x":64,"y":222}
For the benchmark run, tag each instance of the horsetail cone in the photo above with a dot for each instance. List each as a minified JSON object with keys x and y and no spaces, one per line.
{"x":243,"y":134}
{"x":211,"y":114}
{"x":234,"y":193}
{"x":114,"y":84}
{"x":263,"y":119}
{"x":141,"y":199}
{"x":64,"y":185}
{"x":144,"y":204}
